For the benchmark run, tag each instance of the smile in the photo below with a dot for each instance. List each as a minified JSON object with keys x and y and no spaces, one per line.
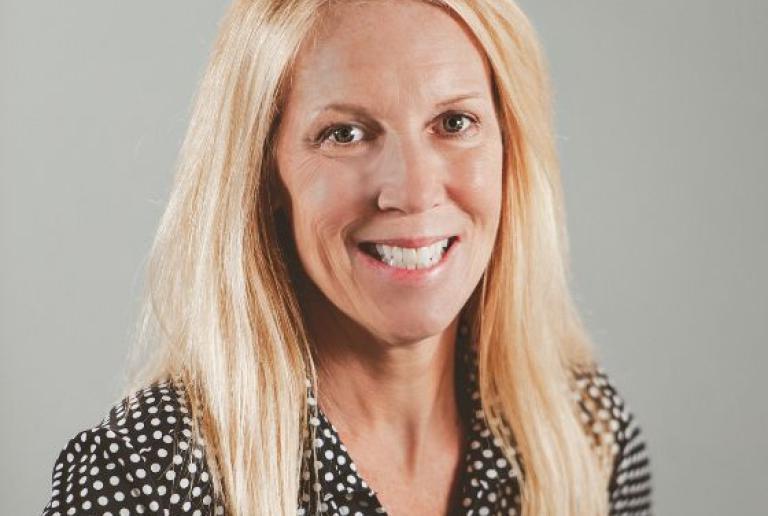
{"x":409,"y":257}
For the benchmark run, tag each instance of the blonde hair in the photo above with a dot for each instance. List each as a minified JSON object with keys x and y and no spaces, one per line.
{"x":221,"y":312}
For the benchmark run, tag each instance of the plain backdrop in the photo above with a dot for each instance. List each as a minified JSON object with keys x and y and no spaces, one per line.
{"x":662,"y":125}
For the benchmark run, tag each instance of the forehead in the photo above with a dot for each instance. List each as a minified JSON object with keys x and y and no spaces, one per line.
{"x":381,"y":47}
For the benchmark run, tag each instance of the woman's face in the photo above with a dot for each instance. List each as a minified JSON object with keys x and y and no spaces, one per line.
{"x":389,"y":149}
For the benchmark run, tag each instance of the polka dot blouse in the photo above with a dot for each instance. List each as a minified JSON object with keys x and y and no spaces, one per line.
{"x":142,"y":459}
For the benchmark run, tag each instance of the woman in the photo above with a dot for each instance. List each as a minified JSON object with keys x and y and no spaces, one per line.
{"x":364,"y":257}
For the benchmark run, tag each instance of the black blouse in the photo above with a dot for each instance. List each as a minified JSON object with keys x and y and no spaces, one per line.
{"x":143,"y":458}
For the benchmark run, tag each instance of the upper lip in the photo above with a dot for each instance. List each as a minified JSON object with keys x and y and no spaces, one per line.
{"x":420,"y":241}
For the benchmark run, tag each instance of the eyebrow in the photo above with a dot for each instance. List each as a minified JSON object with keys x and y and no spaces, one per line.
{"x":459,"y":98}
{"x":360,"y":111}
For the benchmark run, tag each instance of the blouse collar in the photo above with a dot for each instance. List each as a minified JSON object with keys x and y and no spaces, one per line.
{"x":487,"y":477}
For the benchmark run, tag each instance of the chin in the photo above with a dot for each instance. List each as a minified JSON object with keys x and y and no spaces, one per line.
{"x":412,"y":326}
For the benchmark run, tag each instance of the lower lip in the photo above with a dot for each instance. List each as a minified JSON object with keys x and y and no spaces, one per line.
{"x":408,"y":276}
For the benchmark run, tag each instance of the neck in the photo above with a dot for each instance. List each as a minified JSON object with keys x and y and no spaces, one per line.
{"x":403,"y":392}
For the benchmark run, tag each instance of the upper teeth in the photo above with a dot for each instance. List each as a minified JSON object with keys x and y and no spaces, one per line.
{"x":412,"y":257}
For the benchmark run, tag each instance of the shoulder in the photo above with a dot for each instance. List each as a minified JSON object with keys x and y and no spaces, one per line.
{"x":141,"y":457}
{"x":614,"y":429}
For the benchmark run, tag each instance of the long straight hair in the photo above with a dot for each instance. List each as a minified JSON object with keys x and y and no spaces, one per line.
{"x":221,"y":312}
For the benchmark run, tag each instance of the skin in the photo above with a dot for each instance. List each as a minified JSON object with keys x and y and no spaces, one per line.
{"x":392,"y":168}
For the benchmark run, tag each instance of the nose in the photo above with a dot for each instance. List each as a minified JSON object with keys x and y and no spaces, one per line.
{"x":412,"y":178}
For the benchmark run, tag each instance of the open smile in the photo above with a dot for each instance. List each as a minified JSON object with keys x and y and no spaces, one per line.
{"x":407,"y":257}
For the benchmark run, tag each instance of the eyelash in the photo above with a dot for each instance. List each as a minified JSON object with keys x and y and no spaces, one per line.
{"x":325,"y":134}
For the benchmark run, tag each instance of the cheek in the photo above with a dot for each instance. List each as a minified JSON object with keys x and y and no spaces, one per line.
{"x":478,"y":184}
{"x":323,"y":206}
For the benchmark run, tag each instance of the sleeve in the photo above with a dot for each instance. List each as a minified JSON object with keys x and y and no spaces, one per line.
{"x":99,"y":473}
{"x":141,"y":459}
{"x":612,"y":425}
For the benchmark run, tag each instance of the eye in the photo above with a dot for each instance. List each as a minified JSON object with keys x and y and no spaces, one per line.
{"x":344,"y":135}
{"x":456,"y":124}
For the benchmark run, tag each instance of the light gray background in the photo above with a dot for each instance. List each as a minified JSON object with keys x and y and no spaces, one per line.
{"x":661,"y":116}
